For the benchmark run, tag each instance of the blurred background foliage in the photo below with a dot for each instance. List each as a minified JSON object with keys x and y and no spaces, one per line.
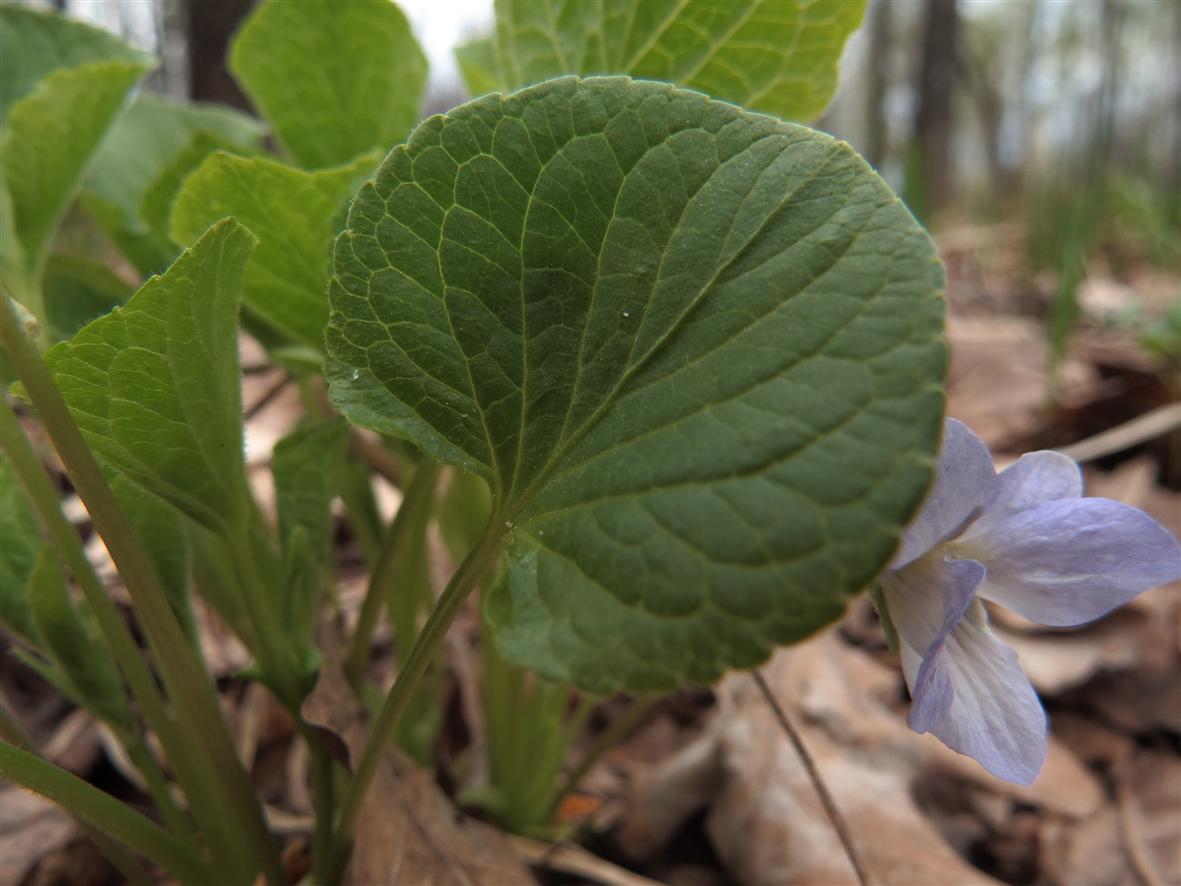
{"x":1044,"y":134}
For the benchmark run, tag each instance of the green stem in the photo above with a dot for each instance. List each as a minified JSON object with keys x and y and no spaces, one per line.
{"x":465,"y":580}
{"x":274,"y":649}
{"x":196,"y":700}
{"x":145,"y":761}
{"x":14,"y":733}
{"x":324,"y":806}
{"x":419,"y":495}
{"x":361,"y":505}
{"x":197,"y":775}
{"x":103,"y":812}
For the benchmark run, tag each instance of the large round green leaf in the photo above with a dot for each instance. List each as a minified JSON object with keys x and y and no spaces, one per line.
{"x":695,"y":352}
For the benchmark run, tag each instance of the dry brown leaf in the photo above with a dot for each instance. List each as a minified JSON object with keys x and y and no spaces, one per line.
{"x":768,"y":825}
{"x":1091,"y":853}
{"x":1136,"y":702}
{"x":1064,"y":786}
{"x":30,"y":827}
{"x":1149,"y":794}
{"x":997,"y":381}
{"x":665,"y":795}
{"x":1091,"y":741}
{"x":571,"y":859}
{"x":223,"y":652}
{"x":408,"y":830}
{"x":1057,"y":661}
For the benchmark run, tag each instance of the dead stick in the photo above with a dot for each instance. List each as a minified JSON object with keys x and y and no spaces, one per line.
{"x":830,"y":806}
{"x":1132,"y":433}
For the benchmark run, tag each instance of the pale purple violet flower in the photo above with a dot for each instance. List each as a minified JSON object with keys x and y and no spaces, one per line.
{"x":1025,"y":539}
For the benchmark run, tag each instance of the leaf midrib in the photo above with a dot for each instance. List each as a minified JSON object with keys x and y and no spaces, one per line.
{"x":544,"y":475}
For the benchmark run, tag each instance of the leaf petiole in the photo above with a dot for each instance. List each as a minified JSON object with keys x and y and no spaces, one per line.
{"x":466,"y":579}
{"x":196,"y":705}
{"x":419,"y":494}
{"x":102,"y":811}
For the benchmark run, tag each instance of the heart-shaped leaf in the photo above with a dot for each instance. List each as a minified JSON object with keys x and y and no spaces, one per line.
{"x":141,"y":146}
{"x":335,"y":79}
{"x":778,"y":56}
{"x":33,"y":44}
{"x":694,"y":351}
{"x":295,"y":215}
{"x":154,"y":385}
{"x":61,"y":86}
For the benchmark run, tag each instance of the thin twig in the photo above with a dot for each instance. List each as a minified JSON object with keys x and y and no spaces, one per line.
{"x":1139,"y":430}
{"x":830,"y":806}
{"x":573,"y":859}
{"x":268,"y":396}
{"x":376,"y":456}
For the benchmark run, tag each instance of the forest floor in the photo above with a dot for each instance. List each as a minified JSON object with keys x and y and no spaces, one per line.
{"x":706,"y":790}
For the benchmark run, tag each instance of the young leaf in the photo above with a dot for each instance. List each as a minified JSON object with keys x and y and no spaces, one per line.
{"x":156,"y":205}
{"x":477,"y":64}
{"x":72,"y":641}
{"x":48,"y":139}
{"x":139,"y":147}
{"x":777,"y":56}
{"x":154,"y":385}
{"x":695,"y":352}
{"x":462,"y":511}
{"x":18,"y":553}
{"x":295,"y":215}
{"x":335,"y":80}
{"x":33,"y":44}
{"x":161,"y":531}
{"x":307,"y":466}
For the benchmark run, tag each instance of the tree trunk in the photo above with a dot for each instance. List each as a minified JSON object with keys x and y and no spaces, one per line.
{"x":931,"y":164}
{"x":877,"y":134}
{"x":1111,"y":22}
{"x":211,"y":24}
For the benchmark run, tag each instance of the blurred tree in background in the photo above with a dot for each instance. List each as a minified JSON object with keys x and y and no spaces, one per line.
{"x":1062,"y":117}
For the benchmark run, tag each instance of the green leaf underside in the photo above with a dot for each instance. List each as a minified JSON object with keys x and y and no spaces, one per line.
{"x":160,"y":529}
{"x":777,"y":56}
{"x":49,"y":138}
{"x":154,"y":385}
{"x":33,"y":44}
{"x":70,"y":635}
{"x":295,"y":215}
{"x":695,"y":351}
{"x":18,"y":554}
{"x":149,"y":134}
{"x":307,"y":466}
{"x":140,"y":148}
{"x":477,"y":64}
{"x":334,"y":79}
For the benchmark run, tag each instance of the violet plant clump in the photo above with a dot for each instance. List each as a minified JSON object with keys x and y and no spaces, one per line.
{"x":601,"y":304}
{"x":1027,"y":539}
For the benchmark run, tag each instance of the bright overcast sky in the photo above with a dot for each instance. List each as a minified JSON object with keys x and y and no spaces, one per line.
{"x":441,"y":25}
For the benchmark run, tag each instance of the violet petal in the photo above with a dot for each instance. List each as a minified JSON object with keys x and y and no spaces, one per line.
{"x":926,"y":600}
{"x":964,"y":482}
{"x":993,"y":714}
{"x":1067,"y":562}
{"x":1034,"y":479}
